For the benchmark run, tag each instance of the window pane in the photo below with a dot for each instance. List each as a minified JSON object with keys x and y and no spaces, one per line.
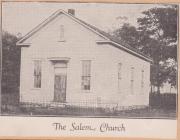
{"x":85,"y":83}
{"x":132,"y":73}
{"x":37,"y":74}
{"x":86,"y":74}
{"x":142,"y":78}
{"x":142,"y":81}
{"x":119,"y":70}
{"x":119,"y":77}
{"x":132,"y":80}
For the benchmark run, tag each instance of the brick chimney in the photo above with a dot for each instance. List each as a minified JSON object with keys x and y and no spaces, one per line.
{"x":71,"y":11}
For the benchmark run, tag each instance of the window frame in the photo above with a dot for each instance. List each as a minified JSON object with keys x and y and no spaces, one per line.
{"x":142,"y":81}
{"x":132,"y":80}
{"x":119,"y":77}
{"x":86,"y":73}
{"x":34,"y":75}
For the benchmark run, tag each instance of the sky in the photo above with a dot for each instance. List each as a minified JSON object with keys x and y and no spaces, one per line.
{"x":21,"y":17}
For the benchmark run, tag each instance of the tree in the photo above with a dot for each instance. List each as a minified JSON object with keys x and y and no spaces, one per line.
{"x":156,"y":36}
{"x":160,"y":26}
{"x":10,"y":63}
{"x":128,"y":34}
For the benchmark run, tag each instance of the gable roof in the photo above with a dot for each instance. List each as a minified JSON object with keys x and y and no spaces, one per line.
{"x":108,"y":38}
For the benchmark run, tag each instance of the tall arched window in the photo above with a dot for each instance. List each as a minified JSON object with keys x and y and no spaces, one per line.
{"x":132,"y":80}
{"x":142,"y":81}
{"x":119,"y":77}
{"x":86,"y":75}
{"x":37,"y":73}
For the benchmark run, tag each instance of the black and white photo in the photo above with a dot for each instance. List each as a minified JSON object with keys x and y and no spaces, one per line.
{"x":89,"y":60}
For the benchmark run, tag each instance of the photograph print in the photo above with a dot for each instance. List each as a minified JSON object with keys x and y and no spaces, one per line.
{"x":89,"y":60}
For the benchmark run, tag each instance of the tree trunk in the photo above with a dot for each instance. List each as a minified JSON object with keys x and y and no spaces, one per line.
{"x":157,"y":76}
{"x":158,"y":80}
{"x":158,"y":90}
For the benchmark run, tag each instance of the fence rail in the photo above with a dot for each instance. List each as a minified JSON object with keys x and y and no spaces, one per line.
{"x":165,"y":101}
{"x":11,"y":103}
{"x":81,"y":105}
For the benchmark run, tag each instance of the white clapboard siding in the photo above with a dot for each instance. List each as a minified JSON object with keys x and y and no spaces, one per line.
{"x":80,"y":44}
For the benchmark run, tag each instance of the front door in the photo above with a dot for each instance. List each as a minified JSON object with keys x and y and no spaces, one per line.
{"x":60,"y":78}
{"x":60,"y":88}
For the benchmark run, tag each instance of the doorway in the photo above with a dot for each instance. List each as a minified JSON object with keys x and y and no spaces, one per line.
{"x":60,"y":80}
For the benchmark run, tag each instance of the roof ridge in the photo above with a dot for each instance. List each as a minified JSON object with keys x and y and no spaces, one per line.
{"x":98,"y":31}
{"x":112,"y":38}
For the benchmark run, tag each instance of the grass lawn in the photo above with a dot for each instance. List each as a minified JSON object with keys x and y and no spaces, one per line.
{"x":90,"y":112}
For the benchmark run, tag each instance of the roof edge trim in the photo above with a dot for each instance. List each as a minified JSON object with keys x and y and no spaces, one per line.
{"x":46,"y":21}
{"x":132,"y":52}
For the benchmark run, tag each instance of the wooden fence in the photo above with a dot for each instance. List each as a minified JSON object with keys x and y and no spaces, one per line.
{"x":164,"y":101}
{"x":168,"y":101}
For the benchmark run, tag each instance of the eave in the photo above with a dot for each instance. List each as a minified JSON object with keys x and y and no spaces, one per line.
{"x":125,"y":49}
